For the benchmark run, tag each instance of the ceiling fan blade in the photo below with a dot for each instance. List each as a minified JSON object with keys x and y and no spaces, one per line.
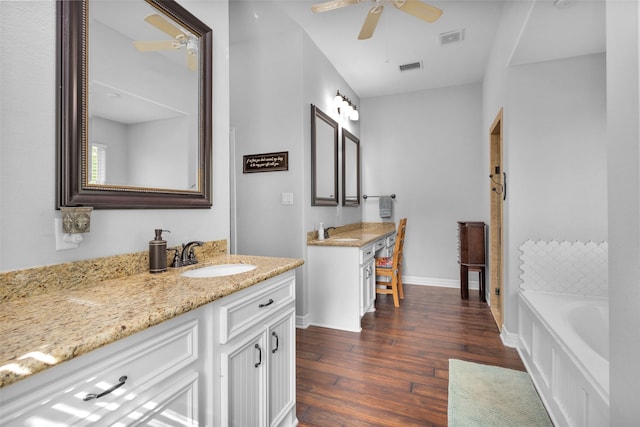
{"x":333,"y":4}
{"x":370,"y":22}
{"x":163,"y":25}
{"x":418,"y":9}
{"x":155,"y":45}
{"x":192,"y":61}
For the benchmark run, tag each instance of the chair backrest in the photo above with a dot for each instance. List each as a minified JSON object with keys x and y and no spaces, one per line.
{"x":398,"y":247}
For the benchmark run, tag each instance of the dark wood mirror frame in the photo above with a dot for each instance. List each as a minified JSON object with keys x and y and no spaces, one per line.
{"x":348,"y":137}
{"x":317,"y":200}
{"x":71,"y":118}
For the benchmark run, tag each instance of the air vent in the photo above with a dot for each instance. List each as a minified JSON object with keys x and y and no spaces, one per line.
{"x":451,"y":37}
{"x":411,"y":66}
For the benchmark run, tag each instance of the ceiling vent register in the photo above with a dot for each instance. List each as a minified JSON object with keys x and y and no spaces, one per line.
{"x":411,"y":66}
{"x":451,"y":37}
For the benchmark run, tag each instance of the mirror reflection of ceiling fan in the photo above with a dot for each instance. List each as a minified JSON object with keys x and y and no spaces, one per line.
{"x":416,"y":8}
{"x":180,"y":40}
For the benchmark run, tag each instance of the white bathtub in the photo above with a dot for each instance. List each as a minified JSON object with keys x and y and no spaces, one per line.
{"x":564,"y":343}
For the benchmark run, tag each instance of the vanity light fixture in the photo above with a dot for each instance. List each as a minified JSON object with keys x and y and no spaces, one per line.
{"x":344,"y":106}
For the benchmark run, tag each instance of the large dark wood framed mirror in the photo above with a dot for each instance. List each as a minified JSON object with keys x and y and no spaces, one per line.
{"x":324,"y":159}
{"x":350,"y":169}
{"x":134,"y":105}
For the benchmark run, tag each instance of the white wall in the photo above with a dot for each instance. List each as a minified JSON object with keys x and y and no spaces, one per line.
{"x":426,"y":147}
{"x":556,"y":160}
{"x":275,"y":79}
{"x":623,"y":109}
{"x":27,"y":149}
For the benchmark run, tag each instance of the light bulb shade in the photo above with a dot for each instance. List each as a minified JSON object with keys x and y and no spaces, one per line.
{"x":337,"y":101}
{"x":354,"y":116}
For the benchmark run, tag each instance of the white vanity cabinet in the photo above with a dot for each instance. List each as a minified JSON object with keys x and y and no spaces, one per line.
{"x":341,"y":284}
{"x":257,"y":356}
{"x":154,"y":377}
{"x":230,"y":362}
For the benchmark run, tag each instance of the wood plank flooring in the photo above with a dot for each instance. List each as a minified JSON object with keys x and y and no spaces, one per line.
{"x":395,"y":372}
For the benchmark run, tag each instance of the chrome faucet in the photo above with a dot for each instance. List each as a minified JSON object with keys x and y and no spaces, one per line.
{"x":188,"y":255}
{"x":326,"y":232}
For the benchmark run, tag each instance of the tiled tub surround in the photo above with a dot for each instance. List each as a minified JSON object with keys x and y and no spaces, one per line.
{"x":364,"y":232}
{"x":49,"y":315}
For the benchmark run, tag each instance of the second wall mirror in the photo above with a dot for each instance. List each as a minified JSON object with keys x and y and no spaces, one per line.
{"x":350,"y":169}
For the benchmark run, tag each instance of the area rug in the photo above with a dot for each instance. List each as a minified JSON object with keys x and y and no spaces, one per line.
{"x":483,"y":395}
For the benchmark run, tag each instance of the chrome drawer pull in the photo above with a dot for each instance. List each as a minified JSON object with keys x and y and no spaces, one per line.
{"x":264,"y":305}
{"x":90,"y":396}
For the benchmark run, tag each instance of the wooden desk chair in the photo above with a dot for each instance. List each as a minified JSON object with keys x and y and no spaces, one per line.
{"x":391,"y":268}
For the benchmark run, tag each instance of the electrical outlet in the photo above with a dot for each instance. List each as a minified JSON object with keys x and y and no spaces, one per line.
{"x":61,"y":244}
{"x":287,"y":198}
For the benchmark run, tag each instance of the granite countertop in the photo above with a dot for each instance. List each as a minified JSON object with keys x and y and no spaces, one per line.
{"x":45,"y":329}
{"x":362,"y":234}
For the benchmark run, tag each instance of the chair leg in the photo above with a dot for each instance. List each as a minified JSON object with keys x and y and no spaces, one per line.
{"x":400,"y":287}
{"x":394,"y":290}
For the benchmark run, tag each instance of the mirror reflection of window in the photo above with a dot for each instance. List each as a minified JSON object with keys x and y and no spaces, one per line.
{"x":98,"y":166}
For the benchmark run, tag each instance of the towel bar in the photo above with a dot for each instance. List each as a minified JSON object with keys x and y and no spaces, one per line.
{"x":393,"y":196}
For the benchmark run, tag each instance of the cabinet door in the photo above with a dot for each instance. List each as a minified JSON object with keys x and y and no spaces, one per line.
{"x":367,"y":286}
{"x":244,"y":381}
{"x":282,"y":373}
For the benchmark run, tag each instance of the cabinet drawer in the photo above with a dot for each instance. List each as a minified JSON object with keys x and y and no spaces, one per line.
{"x":239,"y":315}
{"x":381,"y":244}
{"x":58,"y":397}
{"x":367,"y":253}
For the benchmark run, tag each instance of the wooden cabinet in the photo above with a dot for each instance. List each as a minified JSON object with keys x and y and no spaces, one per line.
{"x":341,"y":284}
{"x":149,"y":378}
{"x":471,"y":254}
{"x":257,"y":364}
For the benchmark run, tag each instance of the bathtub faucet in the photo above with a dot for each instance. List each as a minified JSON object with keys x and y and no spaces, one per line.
{"x":188,"y":255}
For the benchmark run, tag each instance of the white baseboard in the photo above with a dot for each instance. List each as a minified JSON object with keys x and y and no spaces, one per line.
{"x":431,"y":281}
{"x":509,"y":339}
{"x":302,"y":322}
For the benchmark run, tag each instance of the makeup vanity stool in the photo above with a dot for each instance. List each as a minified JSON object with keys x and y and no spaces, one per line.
{"x":471,"y":255}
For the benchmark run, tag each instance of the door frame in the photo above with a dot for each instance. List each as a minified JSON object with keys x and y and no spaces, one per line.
{"x":497,"y":196}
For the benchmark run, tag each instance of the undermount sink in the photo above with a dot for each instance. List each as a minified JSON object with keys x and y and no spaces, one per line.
{"x":219,"y":270}
{"x":345,"y":239}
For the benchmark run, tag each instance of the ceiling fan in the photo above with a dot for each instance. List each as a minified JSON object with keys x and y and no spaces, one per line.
{"x":180,"y":40}
{"x":416,"y":8}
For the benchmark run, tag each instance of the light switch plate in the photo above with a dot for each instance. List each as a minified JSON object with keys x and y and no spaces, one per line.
{"x":287,"y":198}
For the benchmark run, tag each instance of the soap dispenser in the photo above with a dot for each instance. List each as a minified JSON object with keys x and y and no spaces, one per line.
{"x":321,"y":232}
{"x":158,"y":253}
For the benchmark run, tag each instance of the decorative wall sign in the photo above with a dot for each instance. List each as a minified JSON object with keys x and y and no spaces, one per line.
{"x":268,"y":162}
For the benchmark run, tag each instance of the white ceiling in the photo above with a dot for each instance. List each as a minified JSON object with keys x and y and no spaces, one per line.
{"x":370,"y":67}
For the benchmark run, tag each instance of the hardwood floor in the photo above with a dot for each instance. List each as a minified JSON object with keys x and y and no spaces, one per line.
{"x":395,"y":372}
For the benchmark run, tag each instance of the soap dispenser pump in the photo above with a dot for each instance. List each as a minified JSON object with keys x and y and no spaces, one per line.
{"x":158,"y":253}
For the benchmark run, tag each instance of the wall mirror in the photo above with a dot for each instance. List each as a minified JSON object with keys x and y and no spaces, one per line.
{"x":134,"y":105}
{"x":350,"y":169}
{"x":324,"y":159}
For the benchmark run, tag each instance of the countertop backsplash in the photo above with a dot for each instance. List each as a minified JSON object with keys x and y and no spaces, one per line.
{"x":34,"y":281}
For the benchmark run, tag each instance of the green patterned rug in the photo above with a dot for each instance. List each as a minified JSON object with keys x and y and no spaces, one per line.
{"x":483,"y":395}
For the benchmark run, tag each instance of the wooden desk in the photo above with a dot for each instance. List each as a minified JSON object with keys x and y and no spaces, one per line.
{"x":471,"y":256}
